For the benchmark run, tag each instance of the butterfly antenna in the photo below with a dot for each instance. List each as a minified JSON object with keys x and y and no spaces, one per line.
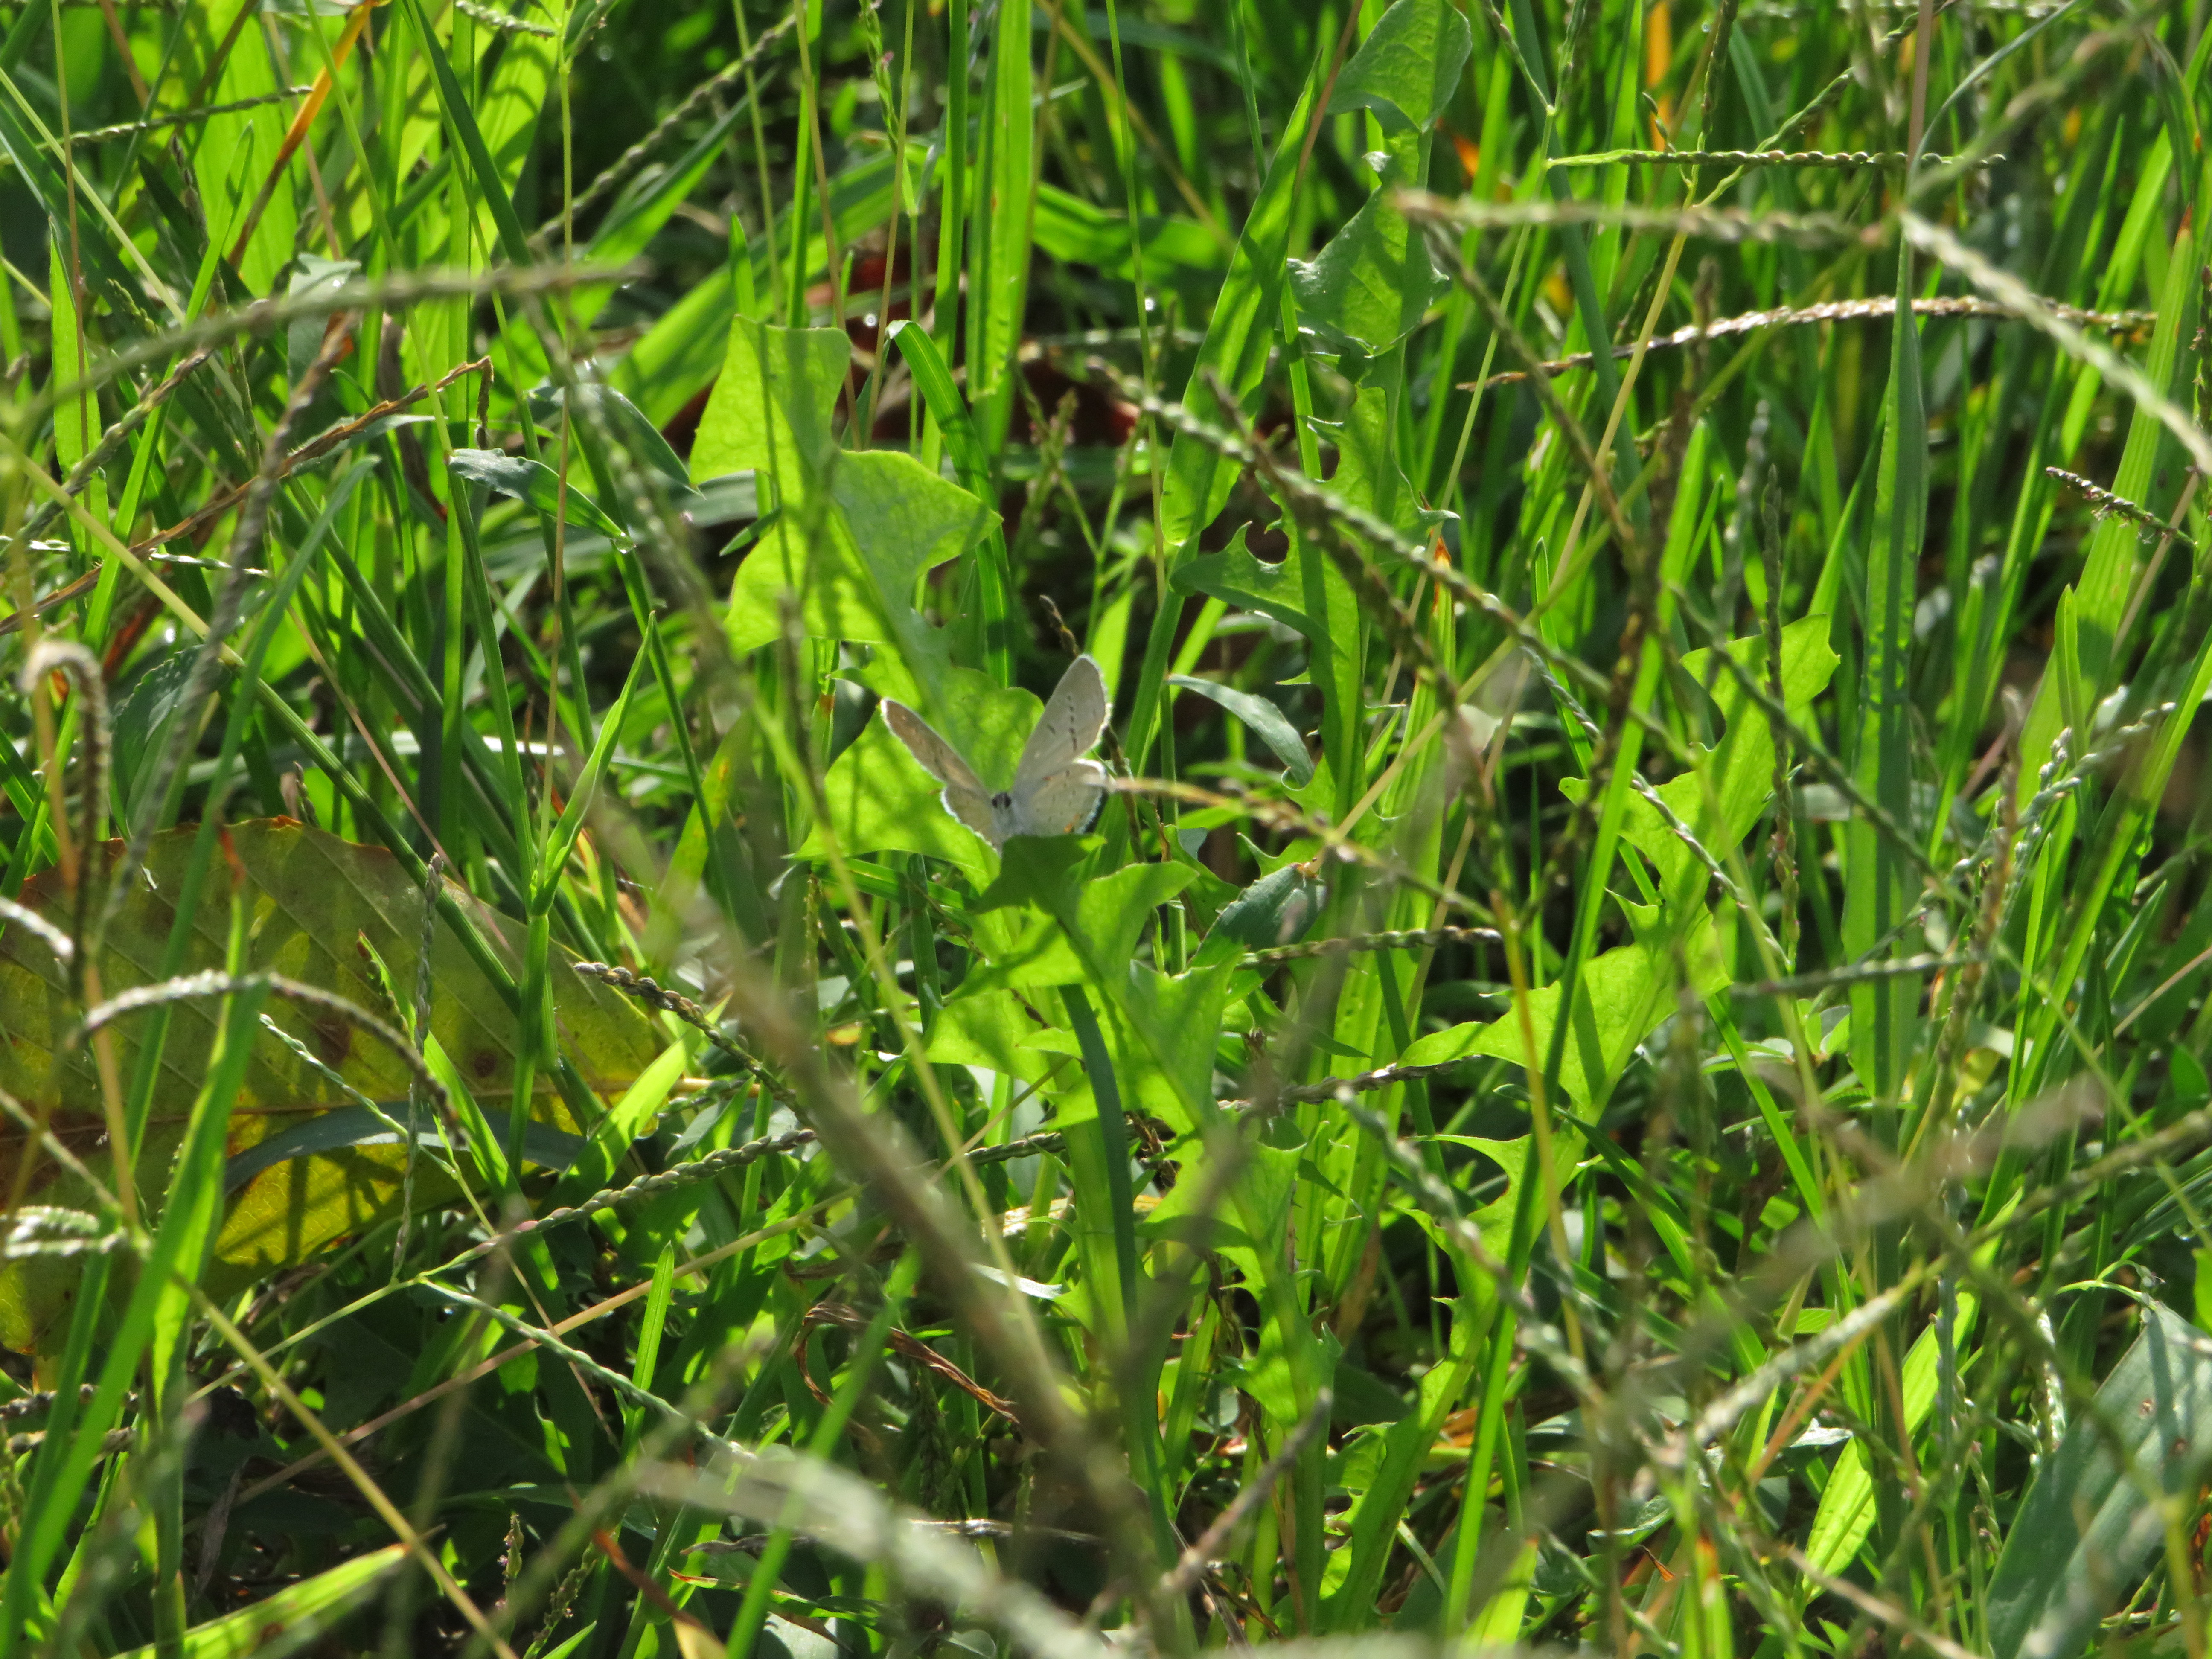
{"x":1067,"y":640}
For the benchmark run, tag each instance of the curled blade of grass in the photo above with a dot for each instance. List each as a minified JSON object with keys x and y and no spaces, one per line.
{"x":67,"y":659}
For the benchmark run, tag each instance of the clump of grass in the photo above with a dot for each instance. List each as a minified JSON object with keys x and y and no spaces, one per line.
{"x":1622,"y":1062}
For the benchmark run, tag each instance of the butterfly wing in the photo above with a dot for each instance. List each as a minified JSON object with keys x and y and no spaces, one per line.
{"x":1074,"y":720}
{"x":964,"y":796}
{"x":1062,"y":805}
{"x":1056,"y":790}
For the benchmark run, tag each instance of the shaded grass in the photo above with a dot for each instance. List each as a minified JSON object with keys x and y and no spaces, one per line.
{"x":1651,"y":1132}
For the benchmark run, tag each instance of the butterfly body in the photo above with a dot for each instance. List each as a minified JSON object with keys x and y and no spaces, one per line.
{"x":1056,"y":790}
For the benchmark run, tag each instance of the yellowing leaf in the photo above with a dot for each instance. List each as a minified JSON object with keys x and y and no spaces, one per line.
{"x":311,"y":899}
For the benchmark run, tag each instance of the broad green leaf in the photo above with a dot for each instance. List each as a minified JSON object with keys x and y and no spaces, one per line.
{"x":878,"y":799}
{"x":901,"y":520}
{"x":1371,"y":284}
{"x":2089,"y":1527}
{"x":771,"y":410}
{"x":294,"y":1618}
{"x":1621,"y":997}
{"x":1181,"y":1013}
{"x":1738,"y":770}
{"x":1276,"y":909}
{"x":1237,"y":576}
{"x":856,"y":530}
{"x":1408,"y":66}
{"x":311,"y":897}
{"x":1000,"y":1031}
{"x":1025,"y":918}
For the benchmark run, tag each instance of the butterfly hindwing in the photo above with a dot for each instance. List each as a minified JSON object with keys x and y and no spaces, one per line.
{"x":1062,"y":803}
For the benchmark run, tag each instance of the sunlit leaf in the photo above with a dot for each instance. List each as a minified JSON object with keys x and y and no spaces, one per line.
{"x":310,"y":896}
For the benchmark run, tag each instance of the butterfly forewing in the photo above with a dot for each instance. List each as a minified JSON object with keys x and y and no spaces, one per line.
{"x":1056,"y":790}
{"x":964,"y":796}
{"x":1073,"y":721}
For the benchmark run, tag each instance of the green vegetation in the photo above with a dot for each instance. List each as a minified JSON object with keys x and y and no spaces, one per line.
{"x":1622,"y":1065}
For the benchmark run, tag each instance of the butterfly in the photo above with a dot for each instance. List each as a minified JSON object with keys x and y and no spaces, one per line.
{"x":1056,"y":791}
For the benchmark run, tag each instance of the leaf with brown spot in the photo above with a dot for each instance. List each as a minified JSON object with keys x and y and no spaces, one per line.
{"x":313,"y":896}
